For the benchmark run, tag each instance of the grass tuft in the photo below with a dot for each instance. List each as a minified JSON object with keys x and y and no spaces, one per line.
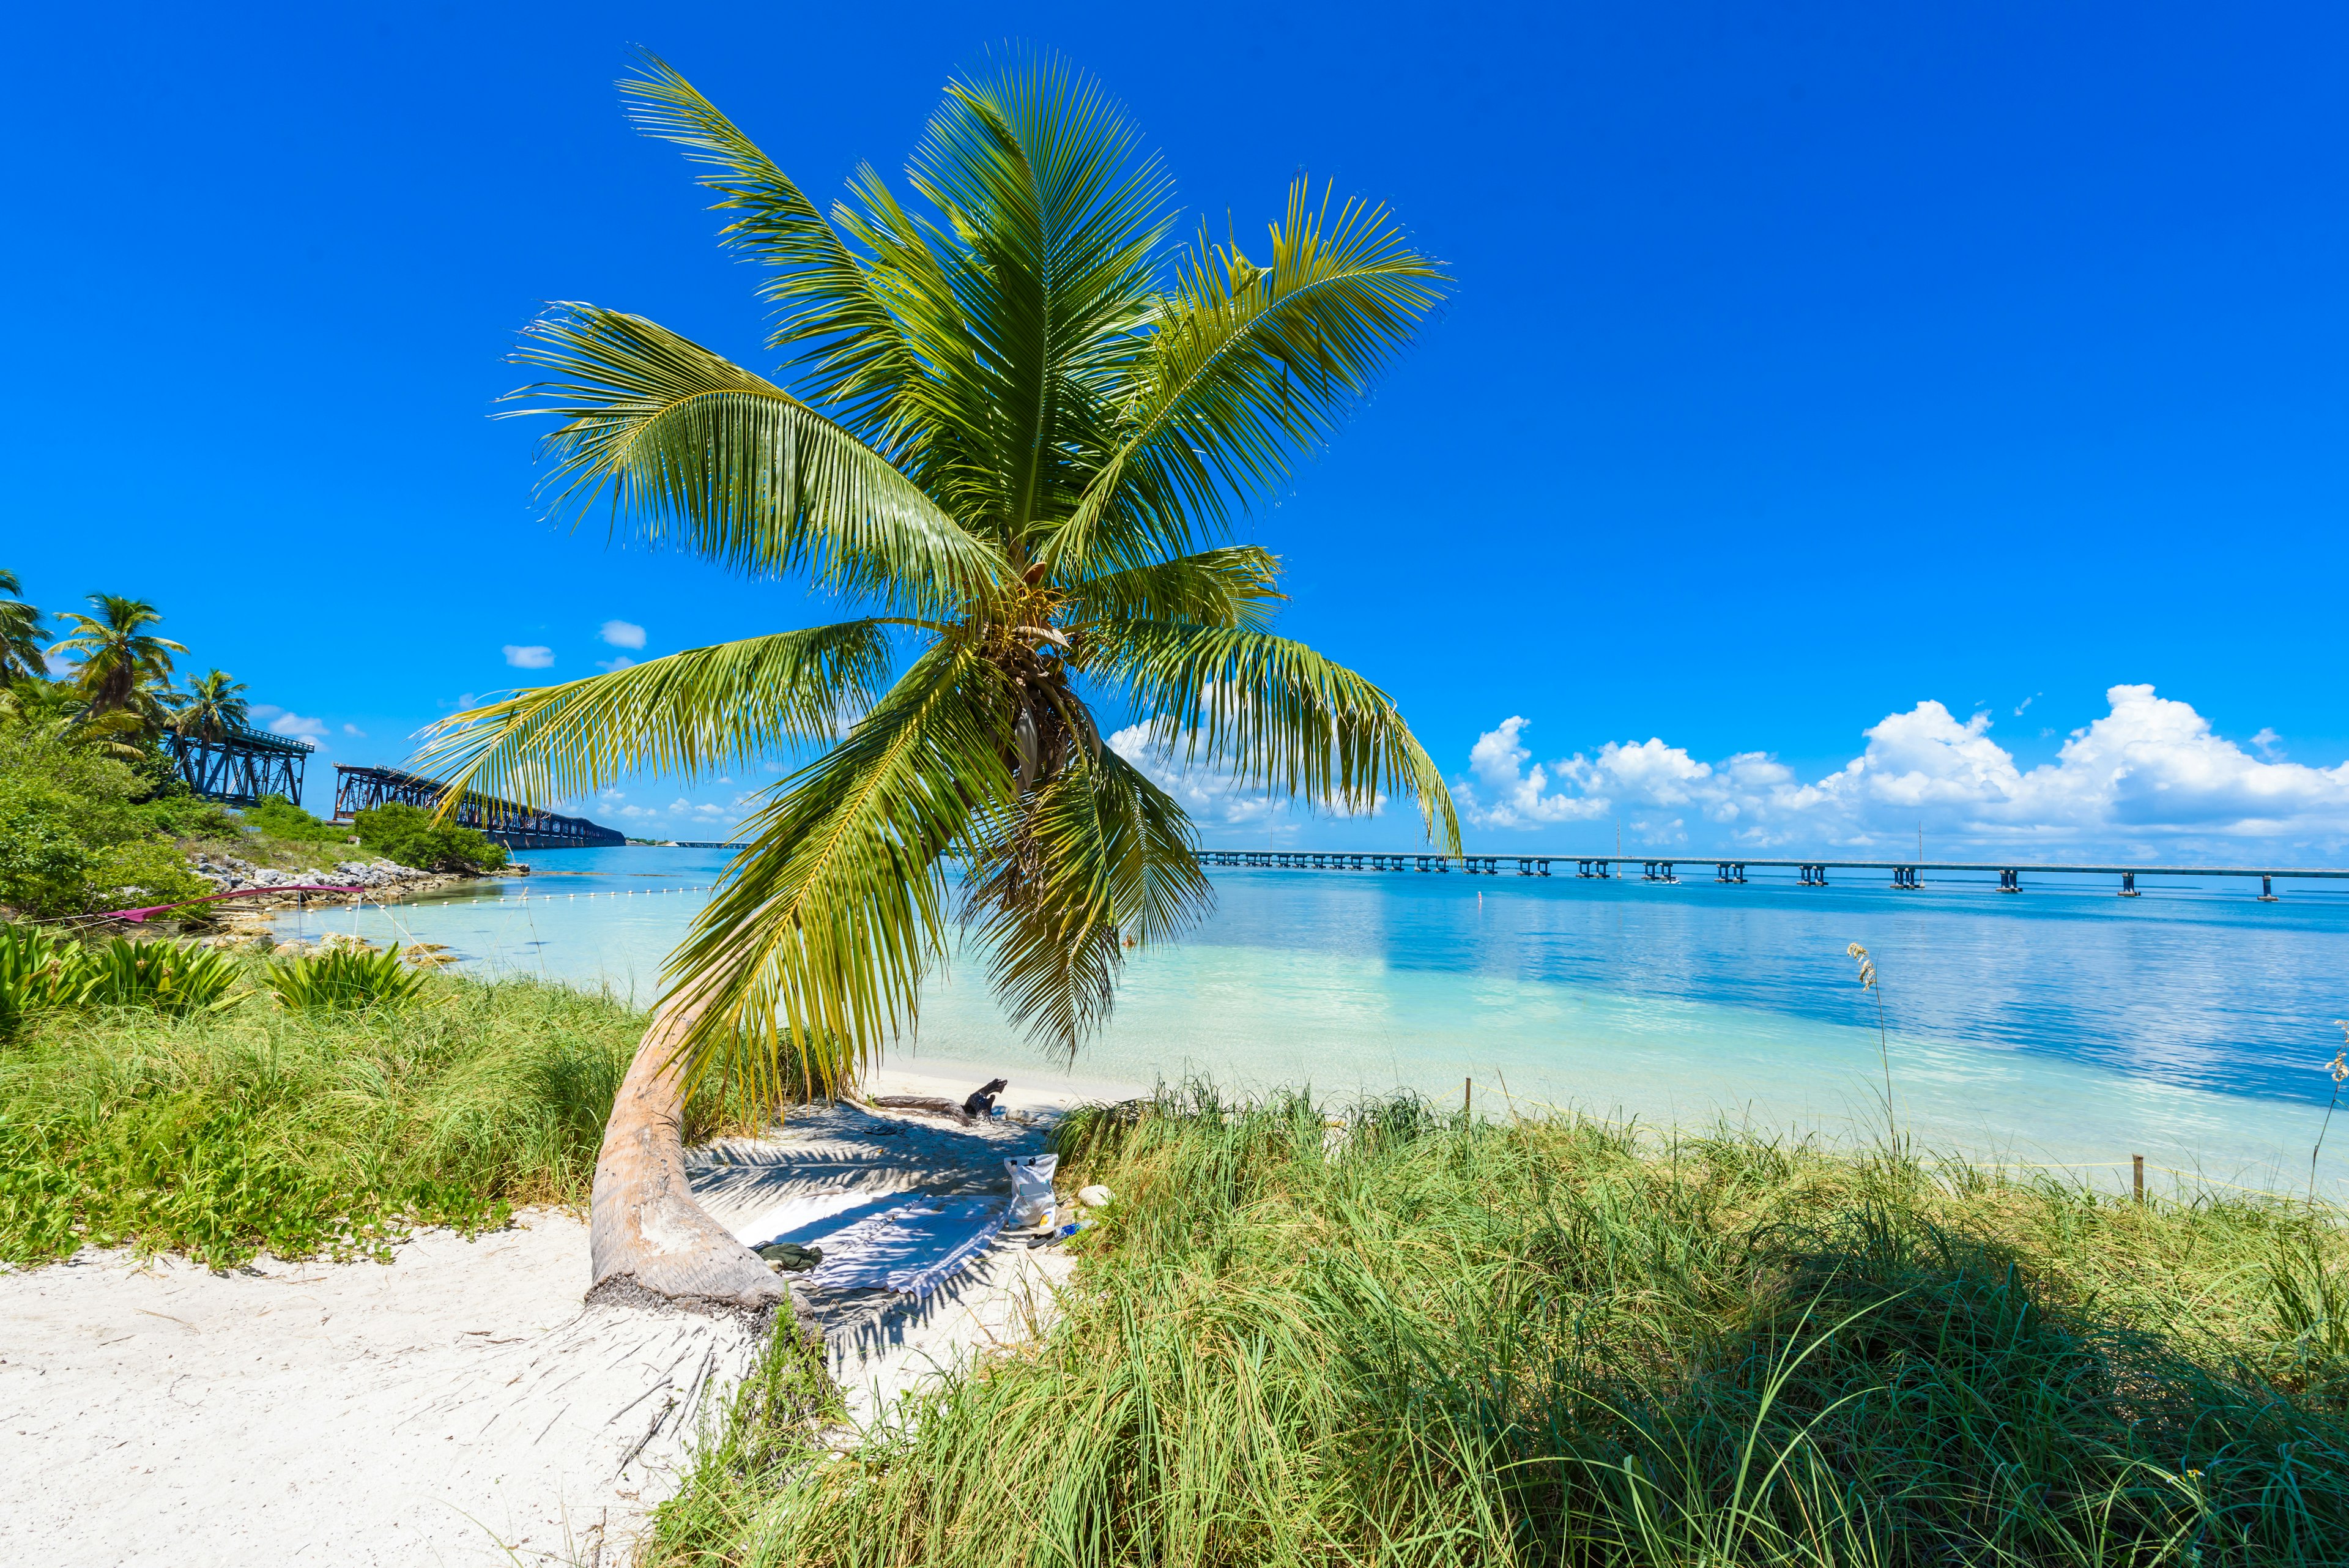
{"x":1400,"y":1337}
{"x":221,"y":1134}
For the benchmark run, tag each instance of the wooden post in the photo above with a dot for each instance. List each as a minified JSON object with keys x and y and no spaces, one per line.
{"x":2137,"y":1174}
{"x":1467,"y":1094}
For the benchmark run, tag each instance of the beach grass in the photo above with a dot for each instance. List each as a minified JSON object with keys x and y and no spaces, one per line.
{"x":1404,"y":1337}
{"x":299,"y":1132}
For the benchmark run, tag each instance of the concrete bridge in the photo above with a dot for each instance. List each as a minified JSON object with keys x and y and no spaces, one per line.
{"x":1905,"y":874}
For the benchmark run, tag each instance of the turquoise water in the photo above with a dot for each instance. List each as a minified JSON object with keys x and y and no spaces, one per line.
{"x":2062,"y":1027}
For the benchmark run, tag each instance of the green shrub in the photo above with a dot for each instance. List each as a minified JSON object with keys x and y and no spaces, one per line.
{"x":30,"y":972}
{"x":74,"y":838}
{"x":279,"y":818}
{"x":345,"y":978}
{"x":40,"y":971}
{"x":170,"y":977}
{"x":179,"y":813}
{"x":408,"y":836}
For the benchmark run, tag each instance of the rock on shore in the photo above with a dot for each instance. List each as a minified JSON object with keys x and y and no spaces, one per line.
{"x":381,"y":879}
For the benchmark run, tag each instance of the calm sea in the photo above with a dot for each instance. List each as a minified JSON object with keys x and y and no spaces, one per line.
{"x":2064,"y":1025}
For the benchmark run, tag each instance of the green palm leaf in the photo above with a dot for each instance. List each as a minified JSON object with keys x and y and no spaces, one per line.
{"x":1100,"y":855}
{"x":687,"y":446}
{"x":1248,"y":368}
{"x":1232,"y":587}
{"x":689,"y":713}
{"x":832,"y":911}
{"x":1058,"y":223}
{"x":836,"y":315}
{"x":1278,"y":714}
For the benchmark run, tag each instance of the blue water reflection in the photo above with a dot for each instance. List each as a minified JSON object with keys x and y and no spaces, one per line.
{"x":2190,"y":1023}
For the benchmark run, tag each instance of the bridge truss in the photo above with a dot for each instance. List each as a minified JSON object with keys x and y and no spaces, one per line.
{"x":240,"y":767}
{"x":501,"y":821}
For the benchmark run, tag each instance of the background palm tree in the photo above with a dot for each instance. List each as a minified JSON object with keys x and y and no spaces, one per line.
{"x":1014,"y":431}
{"x":214,"y":705}
{"x":20,"y":635}
{"x":124,"y":673}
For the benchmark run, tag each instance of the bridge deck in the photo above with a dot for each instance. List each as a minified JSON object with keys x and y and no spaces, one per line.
{"x":1732,"y":868}
{"x":501,"y":821}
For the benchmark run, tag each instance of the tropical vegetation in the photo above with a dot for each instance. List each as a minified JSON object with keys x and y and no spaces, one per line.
{"x":92,"y":815}
{"x":221,"y":1131}
{"x":214,"y":707}
{"x":82,"y":830}
{"x":346,"y":978}
{"x":411,"y":836}
{"x":122,"y":687}
{"x":1402,"y":1337}
{"x":20,"y":634}
{"x":280,"y":819}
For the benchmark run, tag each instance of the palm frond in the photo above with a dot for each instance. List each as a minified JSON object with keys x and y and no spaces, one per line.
{"x":689,"y":447}
{"x":834,"y":318}
{"x":1100,"y":855}
{"x":1235,"y":585}
{"x":831,"y":912}
{"x":1249,"y":366}
{"x":1057,"y":221}
{"x":689,"y":714}
{"x":1274,"y":712}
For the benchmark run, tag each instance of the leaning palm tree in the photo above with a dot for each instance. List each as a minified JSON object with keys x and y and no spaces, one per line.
{"x":124,"y":667}
{"x":1014,"y":432}
{"x":214,"y":705}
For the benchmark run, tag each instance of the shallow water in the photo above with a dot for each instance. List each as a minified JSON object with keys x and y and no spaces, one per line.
{"x":2062,"y":1025}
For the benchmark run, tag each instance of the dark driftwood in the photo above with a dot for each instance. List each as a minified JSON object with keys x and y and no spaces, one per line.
{"x":649,"y":1244}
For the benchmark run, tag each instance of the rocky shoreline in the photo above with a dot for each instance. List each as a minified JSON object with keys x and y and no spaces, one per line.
{"x":379,"y":880}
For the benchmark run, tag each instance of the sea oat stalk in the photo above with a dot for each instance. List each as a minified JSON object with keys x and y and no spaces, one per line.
{"x":2339,"y":1068}
{"x":1883,"y":1043}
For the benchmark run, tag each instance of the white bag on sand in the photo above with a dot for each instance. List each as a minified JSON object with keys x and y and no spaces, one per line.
{"x":1031,"y":1190}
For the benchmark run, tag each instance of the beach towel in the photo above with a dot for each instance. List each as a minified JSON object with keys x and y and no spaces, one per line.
{"x":913,"y":1246}
{"x":809,"y":1216}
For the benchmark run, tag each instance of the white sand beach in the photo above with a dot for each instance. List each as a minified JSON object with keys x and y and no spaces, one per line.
{"x":459,"y":1405}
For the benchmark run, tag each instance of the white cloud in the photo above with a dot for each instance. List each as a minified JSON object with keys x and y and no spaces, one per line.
{"x":618,"y":662}
{"x":533,"y":657}
{"x":2152,"y":772}
{"x":1210,"y":795}
{"x":354,"y":730}
{"x":286,"y":723}
{"x":1517,"y":799}
{"x":623,"y":634}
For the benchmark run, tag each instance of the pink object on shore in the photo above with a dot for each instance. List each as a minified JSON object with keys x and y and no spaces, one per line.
{"x":139,"y":915}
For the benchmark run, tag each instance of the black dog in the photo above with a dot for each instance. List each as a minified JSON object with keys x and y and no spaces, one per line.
{"x":982,"y":1101}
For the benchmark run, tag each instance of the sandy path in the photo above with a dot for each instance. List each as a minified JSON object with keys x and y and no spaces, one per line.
{"x":458,"y":1405}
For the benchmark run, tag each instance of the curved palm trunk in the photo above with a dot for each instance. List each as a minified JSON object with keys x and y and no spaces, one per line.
{"x":649,"y":1244}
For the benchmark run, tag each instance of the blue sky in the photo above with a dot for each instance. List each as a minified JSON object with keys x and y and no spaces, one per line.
{"x":1839,"y":408}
